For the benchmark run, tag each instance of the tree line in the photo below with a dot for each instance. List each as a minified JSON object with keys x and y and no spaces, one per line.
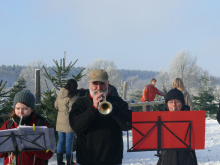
{"x":12,"y":73}
{"x":204,"y":88}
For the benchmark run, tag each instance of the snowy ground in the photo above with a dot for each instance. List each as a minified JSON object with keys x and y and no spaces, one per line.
{"x":209,"y":156}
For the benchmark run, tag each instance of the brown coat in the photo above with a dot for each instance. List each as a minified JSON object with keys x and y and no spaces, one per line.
{"x":64,"y":104}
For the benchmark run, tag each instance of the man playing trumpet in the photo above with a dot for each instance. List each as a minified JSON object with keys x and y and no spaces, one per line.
{"x":99,"y":135}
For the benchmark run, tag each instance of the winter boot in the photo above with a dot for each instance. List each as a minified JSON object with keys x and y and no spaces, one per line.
{"x":69,"y":159}
{"x":60,"y":159}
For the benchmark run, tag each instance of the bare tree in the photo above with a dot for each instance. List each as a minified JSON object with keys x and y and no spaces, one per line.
{"x":108,"y":66}
{"x":184,"y":66}
{"x":28,"y":73}
{"x":163,"y":81}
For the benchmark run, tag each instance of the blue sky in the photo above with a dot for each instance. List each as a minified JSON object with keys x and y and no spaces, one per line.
{"x":134,"y":34}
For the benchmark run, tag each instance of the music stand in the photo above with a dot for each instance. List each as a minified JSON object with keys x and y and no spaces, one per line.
{"x":153,"y":131}
{"x":25,"y":139}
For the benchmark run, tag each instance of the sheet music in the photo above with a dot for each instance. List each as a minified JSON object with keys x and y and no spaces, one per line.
{"x":6,"y":142}
{"x":32,"y":139}
{"x":28,"y":138}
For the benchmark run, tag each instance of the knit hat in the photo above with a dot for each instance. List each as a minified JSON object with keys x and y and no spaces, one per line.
{"x":175,"y":94}
{"x":26,"y":97}
{"x":98,"y":75}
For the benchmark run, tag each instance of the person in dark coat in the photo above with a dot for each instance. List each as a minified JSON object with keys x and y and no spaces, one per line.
{"x":175,"y":102}
{"x":99,"y":136}
{"x":112,"y":90}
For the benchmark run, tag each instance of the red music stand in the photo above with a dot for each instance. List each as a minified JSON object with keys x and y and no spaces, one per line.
{"x":167,"y":130}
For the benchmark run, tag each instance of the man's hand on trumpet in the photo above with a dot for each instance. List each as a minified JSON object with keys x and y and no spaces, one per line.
{"x":97,"y":98}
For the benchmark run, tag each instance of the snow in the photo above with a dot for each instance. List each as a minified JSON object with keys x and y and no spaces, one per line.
{"x":209,"y":156}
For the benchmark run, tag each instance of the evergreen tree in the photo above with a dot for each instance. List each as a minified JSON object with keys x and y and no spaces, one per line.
{"x":18,"y":86}
{"x":2,"y":85}
{"x":61,"y":73}
{"x":47,"y":108}
{"x":134,"y":96}
{"x":159,"y":107}
{"x":205,"y":99}
{"x":49,"y":96}
{"x":6,"y":104}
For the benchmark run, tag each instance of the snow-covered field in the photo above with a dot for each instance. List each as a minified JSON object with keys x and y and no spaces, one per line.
{"x":209,"y":156}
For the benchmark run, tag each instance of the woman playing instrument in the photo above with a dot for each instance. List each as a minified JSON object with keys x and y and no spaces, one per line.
{"x":24,"y":114}
{"x":175,"y":102}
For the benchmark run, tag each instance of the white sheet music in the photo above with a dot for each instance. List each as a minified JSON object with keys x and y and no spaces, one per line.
{"x":6,"y":142}
{"x":42,"y":138}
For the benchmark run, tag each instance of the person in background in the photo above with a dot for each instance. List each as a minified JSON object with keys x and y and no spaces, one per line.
{"x":99,"y":136}
{"x":175,"y":102}
{"x":178,"y":83}
{"x":65,"y":99}
{"x":24,"y":113}
{"x":149,"y":93}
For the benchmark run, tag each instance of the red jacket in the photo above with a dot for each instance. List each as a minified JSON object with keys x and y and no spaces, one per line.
{"x":31,"y":156}
{"x":150,"y":92}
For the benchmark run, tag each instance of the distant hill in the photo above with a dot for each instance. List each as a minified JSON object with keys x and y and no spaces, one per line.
{"x":10,"y":74}
{"x":143,"y":75}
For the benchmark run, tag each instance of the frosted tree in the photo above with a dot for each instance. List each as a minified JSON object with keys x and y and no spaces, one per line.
{"x":163,"y":81}
{"x":28,"y":73}
{"x":184,"y":66}
{"x":108,"y":66}
{"x":217,"y":93}
{"x":2,"y":93}
{"x":135,"y":88}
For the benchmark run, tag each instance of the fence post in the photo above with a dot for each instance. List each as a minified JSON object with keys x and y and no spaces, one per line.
{"x":37,"y":86}
{"x":125,"y":90}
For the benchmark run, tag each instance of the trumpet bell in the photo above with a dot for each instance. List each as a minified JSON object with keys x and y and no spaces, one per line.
{"x":105,"y":107}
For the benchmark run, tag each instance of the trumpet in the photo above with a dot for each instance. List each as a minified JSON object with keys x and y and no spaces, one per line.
{"x":104,"y":107}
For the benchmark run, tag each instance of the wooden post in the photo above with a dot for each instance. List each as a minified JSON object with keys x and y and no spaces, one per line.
{"x":37,"y":86}
{"x":125,"y":90}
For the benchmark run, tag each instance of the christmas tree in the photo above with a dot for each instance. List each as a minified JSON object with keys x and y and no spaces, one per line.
{"x":59,"y":77}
